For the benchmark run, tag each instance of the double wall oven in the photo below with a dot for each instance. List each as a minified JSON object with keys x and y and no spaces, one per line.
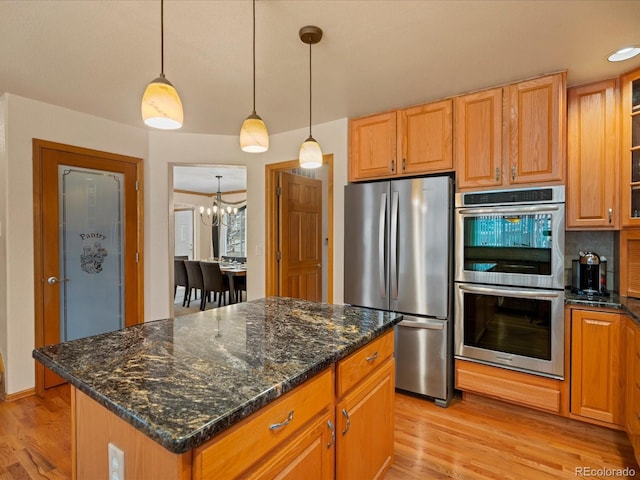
{"x":509,"y":279}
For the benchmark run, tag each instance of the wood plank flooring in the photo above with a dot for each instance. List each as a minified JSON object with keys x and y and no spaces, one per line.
{"x":479,"y":439}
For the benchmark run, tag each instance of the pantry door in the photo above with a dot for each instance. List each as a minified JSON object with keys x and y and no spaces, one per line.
{"x":88,"y":245}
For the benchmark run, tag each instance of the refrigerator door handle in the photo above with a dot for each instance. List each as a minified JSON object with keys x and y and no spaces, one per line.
{"x":425,"y":325}
{"x":381,"y":232}
{"x":393,"y":254}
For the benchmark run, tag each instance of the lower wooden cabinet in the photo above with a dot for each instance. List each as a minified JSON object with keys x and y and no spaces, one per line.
{"x":311,"y":454}
{"x":365,"y":427}
{"x":597,"y":381}
{"x":632,"y":398}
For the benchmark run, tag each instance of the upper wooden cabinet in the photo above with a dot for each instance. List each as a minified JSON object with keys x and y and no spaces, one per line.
{"x":592,"y":156}
{"x":426,"y":138}
{"x":478,"y":139}
{"x":373,"y":147}
{"x":512,"y":136}
{"x":630,"y":163}
{"x":405,"y":142}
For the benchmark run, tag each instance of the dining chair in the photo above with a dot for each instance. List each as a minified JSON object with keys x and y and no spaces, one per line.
{"x":240,"y":285}
{"x":180,"y":279}
{"x":214,"y":281}
{"x":194,"y":275}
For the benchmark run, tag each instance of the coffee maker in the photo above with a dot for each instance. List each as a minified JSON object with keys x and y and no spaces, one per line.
{"x":589,"y":274}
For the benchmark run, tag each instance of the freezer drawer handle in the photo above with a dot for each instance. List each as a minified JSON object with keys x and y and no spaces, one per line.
{"x":373,"y":357}
{"x":346,"y":415}
{"x":276,"y":426}
{"x":428,"y":326}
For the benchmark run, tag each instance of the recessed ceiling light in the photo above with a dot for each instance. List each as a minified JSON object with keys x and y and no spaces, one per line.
{"x":624,"y":54}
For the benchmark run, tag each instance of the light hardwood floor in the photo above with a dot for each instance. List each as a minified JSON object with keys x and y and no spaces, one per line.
{"x":479,"y":439}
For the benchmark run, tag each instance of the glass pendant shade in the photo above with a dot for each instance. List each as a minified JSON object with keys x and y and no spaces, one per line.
{"x":310,"y":154}
{"x":254,"y":137}
{"x":161,"y":105}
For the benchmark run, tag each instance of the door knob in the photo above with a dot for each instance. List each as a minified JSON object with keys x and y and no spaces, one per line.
{"x":54,"y":280}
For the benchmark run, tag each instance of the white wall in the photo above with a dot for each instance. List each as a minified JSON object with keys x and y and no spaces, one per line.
{"x":4,"y":185}
{"x":27,"y":119}
{"x":23,"y":119}
{"x":224,"y":150}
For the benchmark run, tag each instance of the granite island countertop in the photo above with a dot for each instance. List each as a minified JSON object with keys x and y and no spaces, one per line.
{"x":182,"y":381}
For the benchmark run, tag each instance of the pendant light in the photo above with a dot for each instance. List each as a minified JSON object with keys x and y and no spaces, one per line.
{"x":161,"y":105}
{"x":310,"y":152}
{"x":254,"y":137}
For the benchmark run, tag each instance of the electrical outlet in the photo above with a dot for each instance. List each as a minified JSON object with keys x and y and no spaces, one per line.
{"x":116,"y":463}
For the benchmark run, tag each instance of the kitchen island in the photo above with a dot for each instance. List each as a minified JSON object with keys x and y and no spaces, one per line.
{"x":253,"y":389}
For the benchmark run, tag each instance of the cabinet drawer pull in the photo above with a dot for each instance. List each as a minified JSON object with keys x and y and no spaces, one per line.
{"x":513,"y":172}
{"x":393,"y":165}
{"x":610,"y":215}
{"x":333,"y":434}
{"x":404,"y":164}
{"x":346,"y":415}
{"x":497,"y":174}
{"x":373,"y":357}
{"x":276,"y":426}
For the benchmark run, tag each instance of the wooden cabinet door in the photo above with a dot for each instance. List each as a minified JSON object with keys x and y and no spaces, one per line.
{"x":592,"y":156}
{"x":310,"y":455}
{"x":373,"y":147}
{"x":478,"y":139}
{"x":536,"y":130}
{"x":630,"y":262}
{"x":632,"y":390}
{"x":426,"y":138}
{"x":596,"y":379}
{"x":630,"y":151}
{"x":364,"y":430}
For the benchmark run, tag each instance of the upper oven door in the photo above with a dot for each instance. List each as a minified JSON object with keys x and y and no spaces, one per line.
{"x":511,"y":245}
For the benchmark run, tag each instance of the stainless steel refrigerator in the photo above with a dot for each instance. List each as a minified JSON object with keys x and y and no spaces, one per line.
{"x":398,"y":240}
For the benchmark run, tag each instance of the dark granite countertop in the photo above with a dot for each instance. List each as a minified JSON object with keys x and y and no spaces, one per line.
{"x":182,"y":381}
{"x":629,"y":305}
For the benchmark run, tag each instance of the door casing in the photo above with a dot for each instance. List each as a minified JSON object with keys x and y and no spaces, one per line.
{"x":134,"y":269}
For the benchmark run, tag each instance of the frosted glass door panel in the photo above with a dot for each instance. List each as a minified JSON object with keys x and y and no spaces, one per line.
{"x":91,"y":252}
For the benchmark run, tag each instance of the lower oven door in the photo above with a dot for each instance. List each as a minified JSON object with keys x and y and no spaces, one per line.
{"x":517,"y":328}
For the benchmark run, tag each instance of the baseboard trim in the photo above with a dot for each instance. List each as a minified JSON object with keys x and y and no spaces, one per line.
{"x":12,"y":397}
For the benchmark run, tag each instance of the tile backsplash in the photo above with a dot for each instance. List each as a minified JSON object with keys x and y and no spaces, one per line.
{"x":602,"y":243}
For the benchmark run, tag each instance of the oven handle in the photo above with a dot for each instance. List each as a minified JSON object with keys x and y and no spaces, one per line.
{"x":509,"y":292}
{"x":519,"y":209}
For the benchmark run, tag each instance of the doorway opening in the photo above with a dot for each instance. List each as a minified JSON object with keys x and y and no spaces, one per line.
{"x":274,"y":225}
{"x":193,"y":188}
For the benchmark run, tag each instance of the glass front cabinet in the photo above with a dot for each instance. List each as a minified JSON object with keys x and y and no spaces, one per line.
{"x":630,"y":160}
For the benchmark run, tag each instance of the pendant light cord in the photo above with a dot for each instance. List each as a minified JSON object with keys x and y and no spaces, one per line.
{"x":310,"y":89}
{"x":162,"y":38}
{"x":254,"y":56}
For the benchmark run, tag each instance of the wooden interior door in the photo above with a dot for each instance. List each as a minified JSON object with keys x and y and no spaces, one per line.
{"x":300,"y":237}
{"x":88,"y":258}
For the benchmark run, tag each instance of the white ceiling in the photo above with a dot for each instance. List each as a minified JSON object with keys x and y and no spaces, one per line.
{"x":202,"y":179}
{"x":97,"y":56}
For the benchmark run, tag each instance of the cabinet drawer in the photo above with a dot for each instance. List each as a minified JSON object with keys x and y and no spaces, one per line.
{"x":243,"y":445}
{"x":362,"y":362}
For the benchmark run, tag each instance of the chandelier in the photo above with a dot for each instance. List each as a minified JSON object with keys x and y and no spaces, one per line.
{"x":219,"y":212}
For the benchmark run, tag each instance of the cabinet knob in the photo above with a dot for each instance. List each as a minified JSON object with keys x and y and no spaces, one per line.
{"x":393,"y":165}
{"x":497,"y":174}
{"x":404,"y":164}
{"x":610,"y":215}
{"x":513,"y":172}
